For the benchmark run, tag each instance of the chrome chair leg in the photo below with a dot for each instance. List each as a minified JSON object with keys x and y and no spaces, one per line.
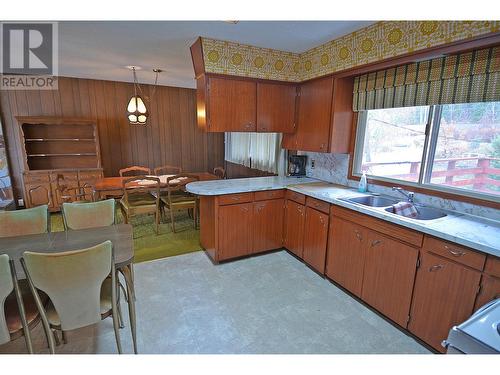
{"x":114,"y":315}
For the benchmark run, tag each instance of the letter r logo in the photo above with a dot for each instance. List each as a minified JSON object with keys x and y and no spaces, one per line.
{"x":28,"y":48}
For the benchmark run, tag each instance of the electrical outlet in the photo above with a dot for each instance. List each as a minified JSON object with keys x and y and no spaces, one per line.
{"x":312,"y":163}
{"x":20,"y":202}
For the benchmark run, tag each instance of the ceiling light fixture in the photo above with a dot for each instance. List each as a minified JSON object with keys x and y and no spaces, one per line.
{"x":137,"y":113}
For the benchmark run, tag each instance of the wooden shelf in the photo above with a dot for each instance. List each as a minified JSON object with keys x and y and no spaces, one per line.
{"x":60,"y":140}
{"x":69,"y":154}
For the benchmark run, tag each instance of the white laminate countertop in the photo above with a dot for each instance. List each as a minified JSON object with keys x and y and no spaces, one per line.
{"x":472,"y":231}
{"x":244,"y":185}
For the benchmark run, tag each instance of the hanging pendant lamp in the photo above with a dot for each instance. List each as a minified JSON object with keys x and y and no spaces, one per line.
{"x":137,"y":113}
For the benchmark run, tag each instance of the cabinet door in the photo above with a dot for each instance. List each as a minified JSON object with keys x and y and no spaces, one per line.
{"x":268,"y":225}
{"x":490,"y":290}
{"x":444,"y":296}
{"x":346,"y":254}
{"x":314,"y":117}
{"x":87,"y":180}
{"x":276,"y":107}
{"x":235,"y":230}
{"x":315,"y":239}
{"x":294,"y":227}
{"x":232,"y":105}
{"x":388,"y":276}
{"x":38,"y":194}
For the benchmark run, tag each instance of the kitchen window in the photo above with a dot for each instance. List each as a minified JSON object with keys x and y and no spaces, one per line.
{"x":449,"y":147}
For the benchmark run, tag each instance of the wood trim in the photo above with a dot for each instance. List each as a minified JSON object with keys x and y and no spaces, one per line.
{"x":251,"y":79}
{"x":51,"y":120}
{"x":197,"y":57}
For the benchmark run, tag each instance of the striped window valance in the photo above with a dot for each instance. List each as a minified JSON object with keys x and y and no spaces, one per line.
{"x":464,"y":78}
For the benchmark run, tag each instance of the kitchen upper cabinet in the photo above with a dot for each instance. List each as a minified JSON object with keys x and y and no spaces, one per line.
{"x":315,"y":239}
{"x":388,"y":277}
{"x":244,"y":105}
{"x":235,"y":234}
{"x":346,"y":254}
{"x":294,"y":227}
{"x":443,"y":296}
{"x":268,"y":224}
{"x":313,"y":126}
{"x":231,"y":105}
{"x":324,"y":116}
{"x":276,"y":107}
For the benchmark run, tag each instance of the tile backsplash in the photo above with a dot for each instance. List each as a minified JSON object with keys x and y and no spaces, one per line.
{"x":334,"y":168}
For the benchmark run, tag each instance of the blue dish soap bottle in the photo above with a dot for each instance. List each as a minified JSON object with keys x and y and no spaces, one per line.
{"x":362,"y":183}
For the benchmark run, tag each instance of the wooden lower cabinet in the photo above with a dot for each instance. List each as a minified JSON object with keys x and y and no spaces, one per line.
{"x":294,"y":227}
{"x":389,"y":273}
{"x":37,"y":194}
{"x":490,"y":290}
{"x":444,"y":296}
{"x":235,"y":233}
{"x":268,"y":225}
{"x":315,"y":239}
{"x":40,"y":187}
{"x":346,"y":254}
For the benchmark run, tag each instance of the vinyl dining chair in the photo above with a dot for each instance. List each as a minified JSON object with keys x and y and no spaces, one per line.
{"x":88,"y":215}
{"x":28,"y":221}
{"x":167,"y":169}
{"x":220,"y":172}
{"x":141,"y":199}
{"x":13,"y":316}
{"x":134,"y":171}
{"x":77,"y":283}
{"x":177,"y":199}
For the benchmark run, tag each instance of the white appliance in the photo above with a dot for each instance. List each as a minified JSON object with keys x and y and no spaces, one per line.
{"x":480,"y":334}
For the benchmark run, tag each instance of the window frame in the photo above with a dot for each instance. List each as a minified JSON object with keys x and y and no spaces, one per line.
{"x":428,"y":154}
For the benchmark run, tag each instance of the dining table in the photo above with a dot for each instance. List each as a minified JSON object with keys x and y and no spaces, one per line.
{"x":113,"y":186}
{"x":120,"y":236}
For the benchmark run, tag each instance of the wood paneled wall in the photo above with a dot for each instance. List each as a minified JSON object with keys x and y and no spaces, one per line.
{"x":170,"y":137}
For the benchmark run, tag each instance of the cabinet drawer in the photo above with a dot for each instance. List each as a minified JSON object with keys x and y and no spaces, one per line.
{"x":36,"y":177}
{"x":392,"y":230}
{"x":67,"y":176}
{"x":270,"y":194}
{"x":455,"y":252}
{"x":296,"y":197}
{"x":318,"y":205}
{"x":89,"y":175}
{"x":235,"y":198}
{"x":492,"y":266}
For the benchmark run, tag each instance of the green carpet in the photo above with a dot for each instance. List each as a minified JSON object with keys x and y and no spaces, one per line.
{"x":147,"y":244}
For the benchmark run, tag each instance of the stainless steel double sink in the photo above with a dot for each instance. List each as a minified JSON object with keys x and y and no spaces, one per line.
{"x":386,"y":203}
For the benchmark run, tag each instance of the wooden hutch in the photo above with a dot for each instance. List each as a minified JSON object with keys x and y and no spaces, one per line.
{"x":58,"y":147}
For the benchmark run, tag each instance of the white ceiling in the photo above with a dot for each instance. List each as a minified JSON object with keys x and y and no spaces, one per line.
{"x":102,"y":49}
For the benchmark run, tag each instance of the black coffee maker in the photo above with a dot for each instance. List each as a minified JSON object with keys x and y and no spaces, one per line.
{"x":297,"y":165}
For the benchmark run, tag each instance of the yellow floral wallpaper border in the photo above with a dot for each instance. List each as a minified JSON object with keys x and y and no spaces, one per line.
{"x":243,"y":60}
{"x":379,"y":41}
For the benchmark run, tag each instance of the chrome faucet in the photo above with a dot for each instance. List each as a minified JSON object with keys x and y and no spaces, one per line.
{"x":410,"y":195}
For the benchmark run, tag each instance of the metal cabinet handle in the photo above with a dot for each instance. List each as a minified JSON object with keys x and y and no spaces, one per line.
{"x":244,"y":209}
{"x":248,"y":126}
{"x":235,"y":198}
{"x":456,"y":253}
{"x":436,"y":267}
{"x":376,"y":242}
{"x":358,"y":235}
